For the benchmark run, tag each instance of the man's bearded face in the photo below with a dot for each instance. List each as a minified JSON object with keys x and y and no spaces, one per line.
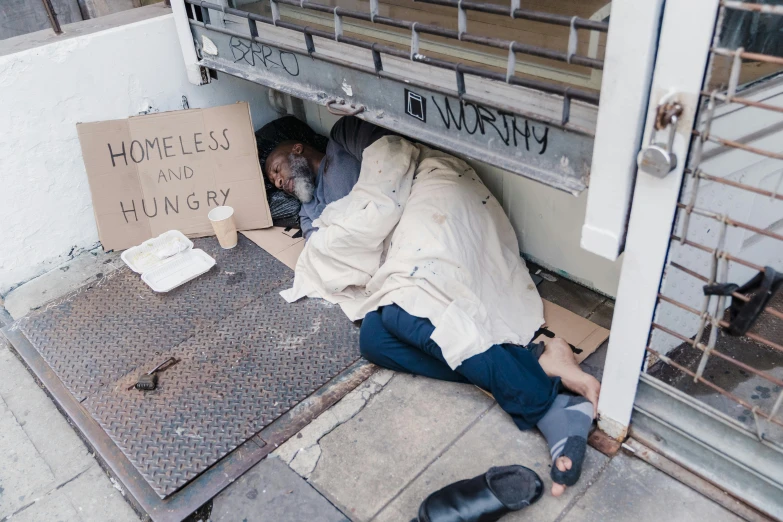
{"x":301,"y":178}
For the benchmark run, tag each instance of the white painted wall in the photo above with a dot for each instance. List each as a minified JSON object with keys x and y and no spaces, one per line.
{"x":46,"y":213}
{"x":548,"y":222}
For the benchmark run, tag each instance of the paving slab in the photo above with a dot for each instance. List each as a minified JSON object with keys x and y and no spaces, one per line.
{"x":87,"y":266}
{"x":494,"y":441}
{"x":46,"y":472}
{"x":272,"y":492}
{"x":602,"y":315}
{"x":50,"y":508}
{"x":630,"y":489}
{"x":595,"y":362}
{"x":571,"y":296}
{"x":96,"y":498}
{"x":368,"y":460}
{"x":23,"y":472}
{"x":65,"y":454}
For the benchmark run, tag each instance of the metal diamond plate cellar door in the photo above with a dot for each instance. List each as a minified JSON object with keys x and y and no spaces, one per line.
{"x":246,"y":357}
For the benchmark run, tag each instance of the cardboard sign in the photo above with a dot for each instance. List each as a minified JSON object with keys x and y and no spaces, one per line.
{"x":149,"y":174}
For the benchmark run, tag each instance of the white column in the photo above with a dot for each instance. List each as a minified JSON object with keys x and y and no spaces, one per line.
{"x":628,"y":65}
{"x":186,"y":42}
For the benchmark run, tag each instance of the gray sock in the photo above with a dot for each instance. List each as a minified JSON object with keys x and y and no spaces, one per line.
{"x":565,"y":427}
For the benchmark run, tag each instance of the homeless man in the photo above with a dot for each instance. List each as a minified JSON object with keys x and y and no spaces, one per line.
{"x":408,"y":239}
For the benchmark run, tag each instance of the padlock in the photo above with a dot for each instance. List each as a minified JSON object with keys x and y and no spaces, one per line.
{"x":658,"y":159}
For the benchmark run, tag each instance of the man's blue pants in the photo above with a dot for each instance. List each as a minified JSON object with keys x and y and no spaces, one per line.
{"x":394,"y":339}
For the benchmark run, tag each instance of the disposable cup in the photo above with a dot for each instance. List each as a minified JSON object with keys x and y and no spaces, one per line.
{"x":222,"y":219}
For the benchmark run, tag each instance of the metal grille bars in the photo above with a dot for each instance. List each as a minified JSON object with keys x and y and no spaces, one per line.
{"x":416,"y":28}
{"x":712,"y":323}
{"x":523,"y":14}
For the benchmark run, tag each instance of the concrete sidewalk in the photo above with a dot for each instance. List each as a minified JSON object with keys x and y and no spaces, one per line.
{"x":418,"y":435}
{"x":374,"y":456}
{"x":46,"y":471}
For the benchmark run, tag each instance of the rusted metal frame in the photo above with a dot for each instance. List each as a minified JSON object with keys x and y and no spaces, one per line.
{"x":377,"y":48}
{"x":735,"y":295}
{"x":415,"y":27}
{"x":52,"y":15}
{"x":712,"y":251}
{"x":435,"y":30}
{"x":703,"y":347}
{"x":524,"y":14}
{"x":742,"y":146}
{"x":718,"y":261}
{"x":731,"y":222}
{"x":754,"y":57}
{"x":701,"y":174}
{"x":744,"y":101}
{"x":698,"y":150}
{"x":764,"y":341}
{"x":713,"y":386}
{"x":756,"y":8}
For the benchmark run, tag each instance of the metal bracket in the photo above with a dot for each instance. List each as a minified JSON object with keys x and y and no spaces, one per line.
{"x":355,"y":109}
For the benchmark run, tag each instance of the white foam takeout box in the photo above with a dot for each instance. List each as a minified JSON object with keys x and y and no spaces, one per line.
{"x":167,"y":261}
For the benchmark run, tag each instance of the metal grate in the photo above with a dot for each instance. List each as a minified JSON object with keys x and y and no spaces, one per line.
{"x":200,"y":17}
{"x":246,"y":358}
{"x":727,"y":229}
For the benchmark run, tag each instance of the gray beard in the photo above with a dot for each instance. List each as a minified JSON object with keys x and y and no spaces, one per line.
{"x":303,"y":178}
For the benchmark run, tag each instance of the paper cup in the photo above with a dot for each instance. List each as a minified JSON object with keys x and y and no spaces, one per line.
{"x":222,"y":219}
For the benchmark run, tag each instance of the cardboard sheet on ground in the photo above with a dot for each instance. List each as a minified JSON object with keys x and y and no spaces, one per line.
{"x":158,"y":172}
{"x":585,"y":336}
{"x":280,"y":242}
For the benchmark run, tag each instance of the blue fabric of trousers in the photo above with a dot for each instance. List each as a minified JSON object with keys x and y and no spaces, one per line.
{"x":394,"y":339}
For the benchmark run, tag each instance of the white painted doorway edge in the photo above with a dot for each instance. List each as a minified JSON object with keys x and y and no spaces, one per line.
{"x":683,"y":51}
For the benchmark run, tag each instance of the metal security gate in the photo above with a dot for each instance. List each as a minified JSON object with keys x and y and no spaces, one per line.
{"x":710,"y":395}
{"x":468,"y":92}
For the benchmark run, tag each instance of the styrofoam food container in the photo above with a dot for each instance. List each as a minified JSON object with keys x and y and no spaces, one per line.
{"x":167,"y":261}
{"x":178,"y":270}
{"x":149,"y":254}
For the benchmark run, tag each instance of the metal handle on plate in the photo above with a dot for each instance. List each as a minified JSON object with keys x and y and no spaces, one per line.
{"x":355,"y":109}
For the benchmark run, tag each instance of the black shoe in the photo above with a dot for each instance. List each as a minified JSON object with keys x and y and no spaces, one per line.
{"x":485,"y":498}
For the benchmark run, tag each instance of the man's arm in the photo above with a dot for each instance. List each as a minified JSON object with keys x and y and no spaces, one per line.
{"x":355,"y":135}
{"x":306,"y":224}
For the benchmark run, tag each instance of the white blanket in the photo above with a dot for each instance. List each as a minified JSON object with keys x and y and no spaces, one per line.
{"x":421,"y":230}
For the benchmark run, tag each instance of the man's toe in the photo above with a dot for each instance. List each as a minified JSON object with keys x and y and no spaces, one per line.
{"x":564,"y":463}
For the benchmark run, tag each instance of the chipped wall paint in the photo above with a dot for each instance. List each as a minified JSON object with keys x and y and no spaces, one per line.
{"x":46,"y":216}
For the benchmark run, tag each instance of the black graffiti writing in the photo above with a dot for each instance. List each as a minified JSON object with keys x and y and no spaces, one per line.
{"x":270,"y":57}
{"x":510,"y":128}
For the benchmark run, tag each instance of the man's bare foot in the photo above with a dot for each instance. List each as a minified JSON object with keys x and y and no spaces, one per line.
{"x":558,"y":361}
